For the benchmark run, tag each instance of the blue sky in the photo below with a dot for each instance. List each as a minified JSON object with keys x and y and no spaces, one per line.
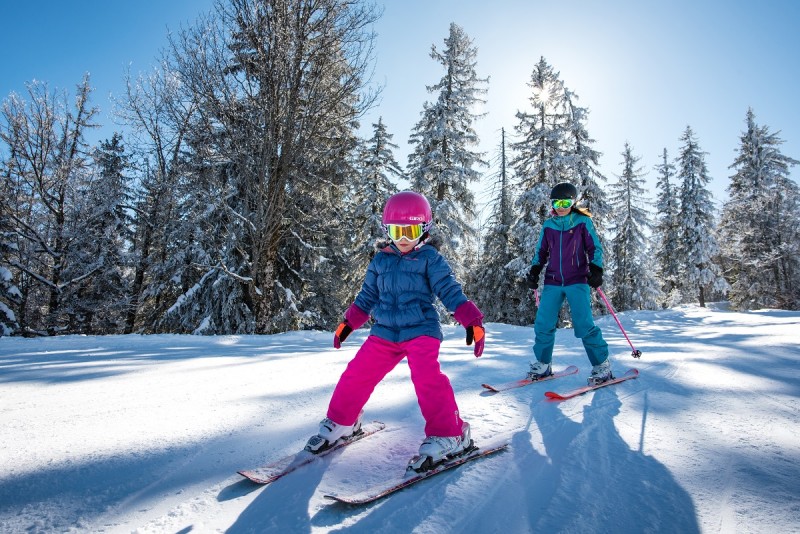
{"x":644,"y":69}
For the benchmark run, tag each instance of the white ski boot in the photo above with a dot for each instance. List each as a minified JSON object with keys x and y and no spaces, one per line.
{"x":540,"y":370}
{"x":436,"y":449}
{"x":600,"y":373}
{"x":330,"y":432}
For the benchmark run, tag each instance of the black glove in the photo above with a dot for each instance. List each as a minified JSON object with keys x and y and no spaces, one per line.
{"x":532,"y":281}
{"x":595,"y":279}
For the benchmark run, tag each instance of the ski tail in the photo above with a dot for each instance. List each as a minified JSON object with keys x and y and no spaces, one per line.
{"x":571,"y":370}
{"x":280,"y":468}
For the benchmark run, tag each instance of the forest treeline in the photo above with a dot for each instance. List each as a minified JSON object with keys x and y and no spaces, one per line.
{"x":241,"y":198}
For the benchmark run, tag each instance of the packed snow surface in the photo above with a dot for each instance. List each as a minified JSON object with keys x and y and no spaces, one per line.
{"x":146,"y":433}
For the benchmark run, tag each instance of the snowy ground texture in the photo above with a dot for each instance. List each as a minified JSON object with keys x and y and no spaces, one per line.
{"x":145,"y":434}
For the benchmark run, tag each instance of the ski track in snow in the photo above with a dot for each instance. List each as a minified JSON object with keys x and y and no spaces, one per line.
{"x":145,"y":433}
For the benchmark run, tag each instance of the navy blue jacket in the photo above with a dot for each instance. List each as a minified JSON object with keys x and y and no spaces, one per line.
{"x":400,"y":289}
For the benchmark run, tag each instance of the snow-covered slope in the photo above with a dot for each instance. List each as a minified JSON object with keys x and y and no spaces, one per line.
{"x":146,"y":433}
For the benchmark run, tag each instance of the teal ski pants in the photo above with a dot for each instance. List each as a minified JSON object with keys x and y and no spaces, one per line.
{"x":580,"y":304}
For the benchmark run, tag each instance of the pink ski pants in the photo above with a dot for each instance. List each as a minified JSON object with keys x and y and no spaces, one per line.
{"x":375,"y":359}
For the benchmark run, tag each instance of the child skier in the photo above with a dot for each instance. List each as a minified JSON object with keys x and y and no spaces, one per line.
{"x":401,"y":283}
{"x":569,"y":247}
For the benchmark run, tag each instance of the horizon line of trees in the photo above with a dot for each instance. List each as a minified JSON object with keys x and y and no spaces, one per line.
{"x":243,"y":201}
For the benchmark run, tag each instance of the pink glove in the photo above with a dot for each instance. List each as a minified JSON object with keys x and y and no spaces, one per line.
{"x":354,"y":318}
{"x":471,"y":318}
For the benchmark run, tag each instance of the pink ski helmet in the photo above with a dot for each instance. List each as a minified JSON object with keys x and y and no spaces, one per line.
{"x":408,"y":207}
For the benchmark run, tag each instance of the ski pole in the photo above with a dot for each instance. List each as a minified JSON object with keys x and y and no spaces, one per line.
{"x":536,"y":294}
{"x":636,"y":353}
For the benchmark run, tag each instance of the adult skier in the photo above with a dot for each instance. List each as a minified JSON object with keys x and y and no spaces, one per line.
{"x":571,"y":252}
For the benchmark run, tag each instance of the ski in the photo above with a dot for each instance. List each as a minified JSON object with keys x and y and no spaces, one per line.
{"x":631,"y":373}
{"x":571,"y":370}
{"x":382,"y":490}
{"x":275,"y":470}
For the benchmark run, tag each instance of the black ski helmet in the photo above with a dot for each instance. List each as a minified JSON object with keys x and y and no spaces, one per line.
{"x":564,"y":190}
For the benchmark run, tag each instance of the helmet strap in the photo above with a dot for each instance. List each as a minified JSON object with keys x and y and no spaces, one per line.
{"x":423,"y":240}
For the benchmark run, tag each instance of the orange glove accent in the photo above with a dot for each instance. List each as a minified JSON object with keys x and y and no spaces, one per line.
{"x":342,"y":331}
{"x":476,"y":333}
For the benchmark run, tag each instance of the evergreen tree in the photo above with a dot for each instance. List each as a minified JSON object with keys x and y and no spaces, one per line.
{"x":582,"y":163}
{"x":376,"y":182}
{"x":538,"y":166}
{"x":315,"y":252}
{"x":443,"y":161}
{"x":760,"y":225}
{"x":158,"y":117}
{"x":10,"y":295}
{"x":494,"y":287}
{"x":99,"y":303}
{"x":278,"y":85}
{"x":554,"y":146}
{"x":667,"y":233}
{"x":633,"y":285}
{"x":698,"y":244}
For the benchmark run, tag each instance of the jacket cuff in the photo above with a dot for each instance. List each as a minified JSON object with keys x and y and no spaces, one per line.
{"x":355,"y":317}
{"x":468,"y":314}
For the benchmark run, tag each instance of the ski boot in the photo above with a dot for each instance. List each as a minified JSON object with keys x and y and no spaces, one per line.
{"x":600,"y":373}
{"x":330,"y":433}
{"x":540,"y":370}
{"x":436,"y":449}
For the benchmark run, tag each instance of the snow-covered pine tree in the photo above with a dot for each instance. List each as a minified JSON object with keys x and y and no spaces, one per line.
{"x":698,"y":244}
{"x":443,"y":162}
{"x":539,"y":164}
{"x":315,"y":253}
{"x":10,"y":295}
{"x":158,"y":117}
{"x":278,"y":87}
{"x":667,"y":232}
{"x":760,"y":224}
{"x":582,"y":163}
{"x":633,"y":286}
{"x":494,"y":286}
{"x":99,"y":304}
{"x":375,"y":182}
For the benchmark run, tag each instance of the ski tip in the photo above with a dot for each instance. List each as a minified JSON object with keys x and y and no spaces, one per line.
{"x":490,"y":388}
{"x":349,"y":500}
{"x":254,"y":478}
{"x":553,"y":395}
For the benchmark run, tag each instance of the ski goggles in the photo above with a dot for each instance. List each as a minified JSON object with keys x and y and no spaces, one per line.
{"x":411,"y":232}
{"x":562,"y":203}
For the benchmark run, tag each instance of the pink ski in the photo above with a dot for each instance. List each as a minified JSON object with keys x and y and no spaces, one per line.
{"x":631,"y":373}
{"x":284,"y":466}
{"x":571,"y":370}
{"x":411,"y":477}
